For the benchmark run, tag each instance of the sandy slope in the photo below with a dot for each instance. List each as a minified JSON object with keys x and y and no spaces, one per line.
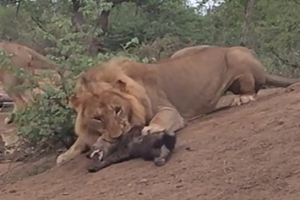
{"x":250,"y":152}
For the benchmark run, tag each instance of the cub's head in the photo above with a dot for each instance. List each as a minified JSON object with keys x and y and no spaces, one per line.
{"x":109,"y":114}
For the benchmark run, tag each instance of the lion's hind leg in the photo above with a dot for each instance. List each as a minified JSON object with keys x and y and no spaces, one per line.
{"x":18,"y":95}
{"x":246,"y":89}
{"x":10,"y":139}
{"x":18,"y":104}
{"x":242,"y":99}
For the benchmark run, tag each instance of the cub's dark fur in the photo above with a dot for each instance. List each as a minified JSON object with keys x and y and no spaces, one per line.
{"x":157,"y":146}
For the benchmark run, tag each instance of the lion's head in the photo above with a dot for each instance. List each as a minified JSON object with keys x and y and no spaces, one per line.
{"x":109,"y":111}
{"x":108,"y":115}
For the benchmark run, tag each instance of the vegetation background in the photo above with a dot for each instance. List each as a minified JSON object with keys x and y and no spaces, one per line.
{"x":79,"y":33}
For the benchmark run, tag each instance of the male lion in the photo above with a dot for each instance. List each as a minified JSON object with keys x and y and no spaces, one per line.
{"x":157,"y":146}
{"x":119,"y":94}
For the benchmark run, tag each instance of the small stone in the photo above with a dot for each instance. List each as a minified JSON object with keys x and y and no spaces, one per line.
{"x":144,"y":180}
{"x":280,"y":122}
{"x":12,"y":191}
{"x":188,"y":149}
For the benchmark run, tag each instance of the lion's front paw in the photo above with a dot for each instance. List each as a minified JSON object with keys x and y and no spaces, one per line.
{"x":62,"y":158}
{"x":158,"y":161}
{"x":242,"y":99}
{"x":152,"y":129}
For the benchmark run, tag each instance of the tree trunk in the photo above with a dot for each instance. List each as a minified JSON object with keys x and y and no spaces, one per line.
{"x":245,"y":29}
{"x":77,"y":17}
{"x":95,"y":43}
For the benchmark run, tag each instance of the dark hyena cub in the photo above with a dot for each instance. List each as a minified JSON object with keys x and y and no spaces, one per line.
{"x":157,"y":147}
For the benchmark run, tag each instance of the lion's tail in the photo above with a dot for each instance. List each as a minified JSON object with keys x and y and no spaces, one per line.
{"x":278,"y":81}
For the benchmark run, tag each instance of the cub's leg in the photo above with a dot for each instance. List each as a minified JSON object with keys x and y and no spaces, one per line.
{"x":246,"y":88}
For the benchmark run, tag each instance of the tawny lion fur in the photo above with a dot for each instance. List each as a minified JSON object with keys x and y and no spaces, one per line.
{"x":120,"y":93}
{"x":188,"y":51}
{"x":22,"y":57}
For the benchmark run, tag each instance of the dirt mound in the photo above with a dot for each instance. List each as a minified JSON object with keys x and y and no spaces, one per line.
{"x":248,"y":152}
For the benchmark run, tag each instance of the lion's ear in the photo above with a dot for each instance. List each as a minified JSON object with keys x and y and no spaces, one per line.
{"x":74,"y":102}
{"x":85,"y":84}
{"x":121,"y":85}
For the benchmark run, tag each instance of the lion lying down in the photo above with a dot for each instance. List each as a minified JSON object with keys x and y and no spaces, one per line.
{"x":120,"y":94}
{"x":157,"y":146}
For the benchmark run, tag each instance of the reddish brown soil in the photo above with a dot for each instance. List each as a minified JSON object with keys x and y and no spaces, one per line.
{"x":251,"y":152}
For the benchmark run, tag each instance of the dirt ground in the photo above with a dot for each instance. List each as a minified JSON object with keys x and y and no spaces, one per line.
{"x":251,"y":152}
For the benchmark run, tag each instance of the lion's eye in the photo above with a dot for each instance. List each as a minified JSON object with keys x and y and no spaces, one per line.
{"x":118,"y":110}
